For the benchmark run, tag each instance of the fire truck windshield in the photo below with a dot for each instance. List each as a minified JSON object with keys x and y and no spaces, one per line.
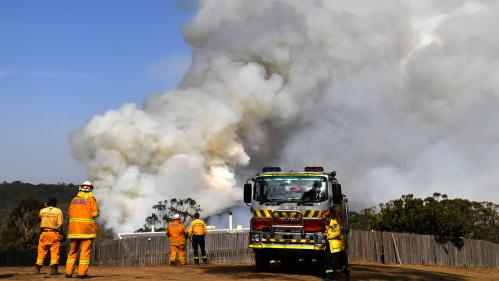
{"x":290,"y":189}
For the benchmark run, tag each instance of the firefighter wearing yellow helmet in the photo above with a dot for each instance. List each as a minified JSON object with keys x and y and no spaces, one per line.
{"x":335,"y":256}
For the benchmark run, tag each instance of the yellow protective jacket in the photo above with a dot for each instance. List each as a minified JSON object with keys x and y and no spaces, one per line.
{"x":82,"y":211}
{"x":335,"y":237}
{"x":177,"y":233}
{"x":51,"y":218}
{"x":197,"y":227}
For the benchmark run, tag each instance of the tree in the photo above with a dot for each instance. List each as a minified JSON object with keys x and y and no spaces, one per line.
{"x":164,"y":210}
{"x":12,"y":193}
{"x":367,"y":219}
{"x":22,"y":225}
{"x":448,"y":219}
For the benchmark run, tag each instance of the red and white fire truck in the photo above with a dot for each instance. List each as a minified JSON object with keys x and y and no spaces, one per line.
{"x":288,"y":213}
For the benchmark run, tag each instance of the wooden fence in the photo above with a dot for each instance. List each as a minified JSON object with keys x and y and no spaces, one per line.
{"x":364,"y":246}
{"x":140,"y":251}
{"x":405,"y":248}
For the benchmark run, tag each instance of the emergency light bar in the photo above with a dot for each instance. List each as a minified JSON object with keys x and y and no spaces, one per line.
{"x":314,"y":169}
{"x":271,"y":169}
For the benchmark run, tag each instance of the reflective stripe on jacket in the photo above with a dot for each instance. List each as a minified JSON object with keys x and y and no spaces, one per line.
{"x":177,"y":232}
{"x":335,"y":237}
{"x":82,"y":211}
{"x":51,"y":218}
{"x":197,"y":227}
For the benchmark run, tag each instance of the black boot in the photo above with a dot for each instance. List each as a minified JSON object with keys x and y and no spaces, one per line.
{"x":54,"y":269}
{"x":347,"y":274}
{"x":331,"y":277}
{"x":37,"y":269}
{"x":205,"y":260}
{"x":196,"y":260}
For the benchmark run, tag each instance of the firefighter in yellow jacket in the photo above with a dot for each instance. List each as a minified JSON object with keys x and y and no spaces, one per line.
{"x":197,"y":231}
{"x":50,"y":236}
{"x":177,"y":233}
{"x":82,"y":229}
{"x":335,"y":256}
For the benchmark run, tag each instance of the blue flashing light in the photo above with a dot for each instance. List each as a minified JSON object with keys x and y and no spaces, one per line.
{"x":271,"y":169}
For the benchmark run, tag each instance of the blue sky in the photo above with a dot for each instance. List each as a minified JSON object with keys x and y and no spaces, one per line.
{"x":62,"y":62}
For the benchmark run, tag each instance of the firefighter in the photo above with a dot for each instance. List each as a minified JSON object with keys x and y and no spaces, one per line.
{"x":177,"y":233}
{"x":197,"y":231}
{"x":314,"y":193}
{"x":82,"y":229}
{"x":335,"y":254}
{"x":50,"y":236}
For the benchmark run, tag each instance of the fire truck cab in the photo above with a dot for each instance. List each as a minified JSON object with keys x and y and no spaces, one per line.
{"x":289,"y":211}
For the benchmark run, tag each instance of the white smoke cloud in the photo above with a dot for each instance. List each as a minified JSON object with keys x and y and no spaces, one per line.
{"x":398,"y":96}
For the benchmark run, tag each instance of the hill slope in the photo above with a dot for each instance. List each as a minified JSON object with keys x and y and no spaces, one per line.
{"x":12,"y":193}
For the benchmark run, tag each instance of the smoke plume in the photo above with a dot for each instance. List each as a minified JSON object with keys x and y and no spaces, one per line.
{"x":397,"y":96}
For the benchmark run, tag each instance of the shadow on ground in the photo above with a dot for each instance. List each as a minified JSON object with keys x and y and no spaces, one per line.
{"x":359,"y":272}
{"x":242,"y":271}
{"x":378,"y":272}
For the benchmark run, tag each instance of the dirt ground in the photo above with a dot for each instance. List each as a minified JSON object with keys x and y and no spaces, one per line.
{"x":248,"y":272}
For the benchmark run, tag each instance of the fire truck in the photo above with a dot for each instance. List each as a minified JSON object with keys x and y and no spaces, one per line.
{"x":289,"y":211}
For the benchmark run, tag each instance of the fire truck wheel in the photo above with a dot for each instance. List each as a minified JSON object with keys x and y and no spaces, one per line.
{"x":262,"y":261}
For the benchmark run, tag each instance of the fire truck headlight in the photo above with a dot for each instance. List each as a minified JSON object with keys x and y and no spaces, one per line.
{"x":319,"y":238}
{"x":255,"y":237}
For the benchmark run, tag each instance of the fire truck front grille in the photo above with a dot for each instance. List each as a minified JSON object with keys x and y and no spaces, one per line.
{"x":288,"y":218}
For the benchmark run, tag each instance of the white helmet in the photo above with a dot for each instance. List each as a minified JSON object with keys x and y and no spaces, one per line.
{"x":86,"y":186}
{"x":176,"y":217}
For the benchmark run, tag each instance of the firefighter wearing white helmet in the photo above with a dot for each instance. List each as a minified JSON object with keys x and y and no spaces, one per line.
{"x":177,"y":234}
{"x":82,"y":229}
{"x":86,"y":186}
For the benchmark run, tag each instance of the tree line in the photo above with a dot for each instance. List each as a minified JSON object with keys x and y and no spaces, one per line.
{"x":447,"y":219}
{"x":20,"y":204}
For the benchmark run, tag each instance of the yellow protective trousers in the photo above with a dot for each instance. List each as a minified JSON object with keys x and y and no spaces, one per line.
{"x":85,"y":247}
{"x":49,"y":240}
{"x":177,"y":250}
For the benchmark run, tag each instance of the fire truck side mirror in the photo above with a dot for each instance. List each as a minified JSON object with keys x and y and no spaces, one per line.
{"x":247,"y":193}
{"x":337,"y":195}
